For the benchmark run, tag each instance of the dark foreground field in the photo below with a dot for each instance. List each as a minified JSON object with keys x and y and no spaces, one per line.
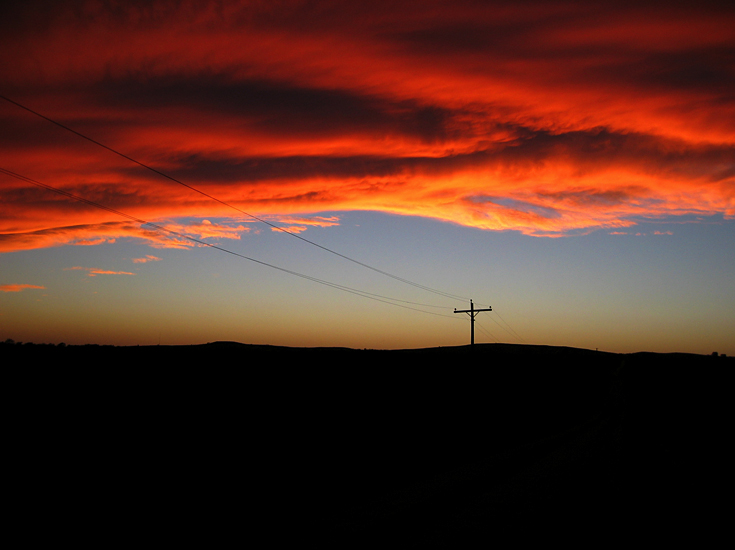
{"x":347,"y":448}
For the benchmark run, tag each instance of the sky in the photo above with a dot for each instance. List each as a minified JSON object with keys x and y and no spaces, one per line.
{"x":322,"y":173}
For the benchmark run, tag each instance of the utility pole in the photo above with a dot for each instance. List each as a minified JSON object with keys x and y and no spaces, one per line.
{"x":472,"y":312}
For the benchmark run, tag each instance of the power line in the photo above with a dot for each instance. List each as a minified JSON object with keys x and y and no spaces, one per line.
{"x":486,"y":331}
{"x":224,"y":203}
{"x":362,"y":293}
{"x":513,"y":333}
{"x":270,"y":224}
{"x":510,"y":327}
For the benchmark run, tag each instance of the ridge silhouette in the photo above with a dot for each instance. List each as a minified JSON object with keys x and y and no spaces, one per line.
{"x":424,"y":447}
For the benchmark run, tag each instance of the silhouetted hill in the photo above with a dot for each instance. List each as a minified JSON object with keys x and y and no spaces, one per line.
{"x":358,"y":447}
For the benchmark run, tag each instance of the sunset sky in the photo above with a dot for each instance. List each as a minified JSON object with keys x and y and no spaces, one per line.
{"x":571,"y":164}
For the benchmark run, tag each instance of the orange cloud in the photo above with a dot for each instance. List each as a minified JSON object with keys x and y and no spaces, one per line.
{"x":284,"y":223}
{"x":93,"y":271}
{"x":85,"y":234}
{"x":161,"y":235}
{"x":548,"y":118}
{"x":146,"y":259}
{"x":207,"y":229}
{"x":18,"y":288}
{"x":315,"y":221}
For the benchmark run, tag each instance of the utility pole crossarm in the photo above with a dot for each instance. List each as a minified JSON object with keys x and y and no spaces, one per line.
{"x":472,"y":312}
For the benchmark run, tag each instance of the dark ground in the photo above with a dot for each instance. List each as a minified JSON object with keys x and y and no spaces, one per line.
{"x":412,"y":448}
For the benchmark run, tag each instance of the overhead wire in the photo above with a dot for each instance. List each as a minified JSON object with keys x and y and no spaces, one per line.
{"x":257,"y":218}
{"x":362,"y":293}
{"x":485,"y":330}
{"x":224,"y":203}
{"x":510,"y":327}
{"x":513,"y":333}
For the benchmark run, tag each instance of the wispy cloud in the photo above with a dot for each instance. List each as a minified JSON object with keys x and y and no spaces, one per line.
{"x":94,"y":271}
{"x":206,"y":229}
{"x":296,"y":224}
{"x":162,"y":235}
{"x":19,"y":288}
{"x":146,"y":259}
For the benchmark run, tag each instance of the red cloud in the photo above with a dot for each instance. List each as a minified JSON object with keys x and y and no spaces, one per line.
{"x":546,"y":118}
